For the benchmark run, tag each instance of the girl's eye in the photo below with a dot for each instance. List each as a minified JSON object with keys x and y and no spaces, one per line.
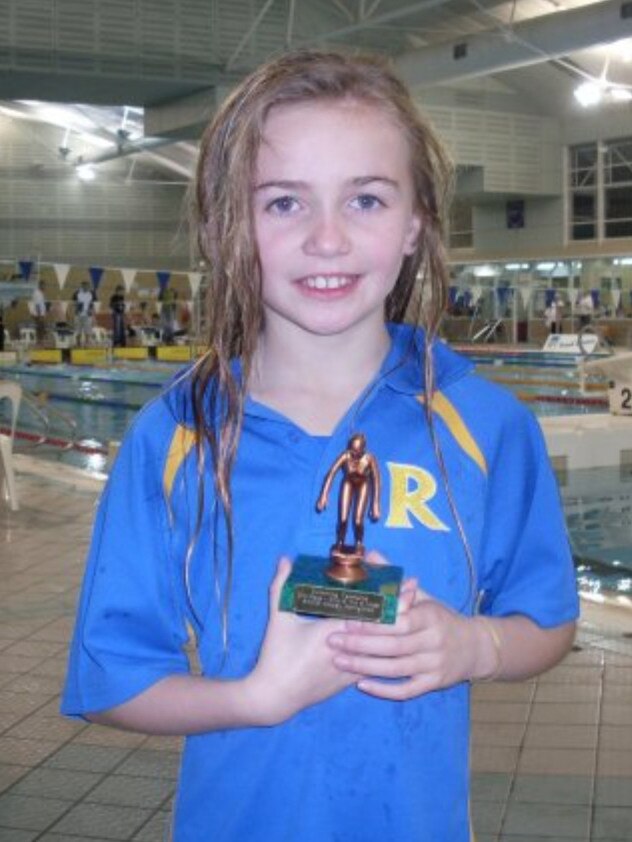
{"x":366,"y":201}
{"x":282,"y":205}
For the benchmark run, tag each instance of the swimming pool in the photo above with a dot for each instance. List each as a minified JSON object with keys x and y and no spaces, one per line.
{"x":548,"y":383}
{"x":101,"y":402}
{"x":598,"y":508}
{"x":597,"y":501}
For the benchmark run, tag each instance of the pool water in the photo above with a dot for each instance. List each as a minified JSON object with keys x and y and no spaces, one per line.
{"x":103,"y":402}
{"x":548,"y":387}
{"x":598,"y":508}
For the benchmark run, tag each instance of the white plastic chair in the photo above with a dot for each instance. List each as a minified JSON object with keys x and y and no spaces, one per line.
{"x":100,"y":336}
{"x":27,"y":336}
{"x":12,"y":392}
{"x":64,"y":339}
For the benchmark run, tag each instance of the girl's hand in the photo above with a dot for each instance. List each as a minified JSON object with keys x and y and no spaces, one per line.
{"x":430,"y":646}
{"x":296,"y":666}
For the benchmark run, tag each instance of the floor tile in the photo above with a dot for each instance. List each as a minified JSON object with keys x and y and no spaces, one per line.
{"x":30,"y":813}
{"x":552,"y":821}
{"x":10,"y":774}
{"x":500,"y":712}
{"x":14,"y":835}
{"x":577,"y":713}
{"x":86,"y":758}
{"x":159,"y":764}
{"x":89,"y":820}
{"x":494,"y":759}
{"x":490,"y":786}
{"x":611,"y":763}
{"x":552,"y":789}
{"x":25,"y":752}
{"x":157,"y":828}
{"x":541,"y":735}
{"x":497,"y":733}
{"x":132,"y":791}
{"x":612,"y":823}
{"x":64,"y":784}
{"x":487,"y":816}
{"x":555,"y":761}
{"x":614,"y":792}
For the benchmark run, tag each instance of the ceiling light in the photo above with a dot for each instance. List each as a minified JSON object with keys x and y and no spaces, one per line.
{"x":588,"y":93}
{"x":620,"y":94}
{"x":623,"y":49}
{"x":86,"y":172}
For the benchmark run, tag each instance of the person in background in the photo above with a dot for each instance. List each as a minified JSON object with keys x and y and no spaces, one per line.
{"x":84,"y":299}
{"x":39,"y":308}
{"x":168,"y":315}
{"x":553,"y":316}
{"x":586,"y":309}
{"x":117,"y":308}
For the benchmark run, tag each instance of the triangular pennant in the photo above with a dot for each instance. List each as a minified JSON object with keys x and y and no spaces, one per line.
{"x":61,"y":270}
{"x":163,"y":280}
{"x":128,"y":278}
{"x":96,"y":273}
{"x":26,"y":267}
{"x":195,"y":279}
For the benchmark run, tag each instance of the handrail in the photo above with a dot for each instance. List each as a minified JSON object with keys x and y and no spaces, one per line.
{"x":39,"y":406}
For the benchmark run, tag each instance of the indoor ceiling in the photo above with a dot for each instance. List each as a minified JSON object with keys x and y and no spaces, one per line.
{"x":538,"y":50}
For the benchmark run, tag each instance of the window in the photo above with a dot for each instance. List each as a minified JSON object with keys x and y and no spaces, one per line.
{"x":461,"y":234}
{"x":600,"y":190}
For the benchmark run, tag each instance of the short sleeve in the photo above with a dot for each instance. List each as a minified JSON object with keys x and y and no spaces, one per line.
{"x":130,"y":628}
{"x":527,"y":564}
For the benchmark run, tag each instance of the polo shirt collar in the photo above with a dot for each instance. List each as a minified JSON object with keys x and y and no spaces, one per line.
{"x":403,"y":367}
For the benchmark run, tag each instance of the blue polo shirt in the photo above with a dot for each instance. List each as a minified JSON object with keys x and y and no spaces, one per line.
{"x":352,"y":768}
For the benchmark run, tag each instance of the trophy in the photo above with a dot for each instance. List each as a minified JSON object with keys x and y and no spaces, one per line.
{"x":344,"y":585}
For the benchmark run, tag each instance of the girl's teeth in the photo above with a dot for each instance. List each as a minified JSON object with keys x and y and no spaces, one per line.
{"x":322,"y":282}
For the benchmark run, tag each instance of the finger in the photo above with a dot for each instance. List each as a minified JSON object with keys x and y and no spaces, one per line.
{"x":397,"y":667}
{"x":382,"y":646}
{"x":396,"y":692}
{"x":282,"y":572}
{"x":407,"y":596}
{"x":373,"y":557}
{"x":423,"y":596}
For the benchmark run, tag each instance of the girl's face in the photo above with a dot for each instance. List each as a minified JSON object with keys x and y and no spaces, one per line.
{"x":334,"y":216}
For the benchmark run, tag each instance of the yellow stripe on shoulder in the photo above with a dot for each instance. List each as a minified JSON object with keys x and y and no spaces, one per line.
{"x":455,"y":424}
{"x":182,"y":441}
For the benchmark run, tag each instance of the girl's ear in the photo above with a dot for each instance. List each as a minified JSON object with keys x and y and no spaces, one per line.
{"x":412,"y":236}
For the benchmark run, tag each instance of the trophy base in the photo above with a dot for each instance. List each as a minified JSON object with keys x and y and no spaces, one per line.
{"x":310,"y":590}
{"x":346,"y":566}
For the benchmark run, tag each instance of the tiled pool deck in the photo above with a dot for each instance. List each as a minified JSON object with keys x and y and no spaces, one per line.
{"x":552,"y":757}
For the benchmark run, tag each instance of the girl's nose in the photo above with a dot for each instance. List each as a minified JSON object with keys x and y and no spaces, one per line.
{"x":327,"y":236}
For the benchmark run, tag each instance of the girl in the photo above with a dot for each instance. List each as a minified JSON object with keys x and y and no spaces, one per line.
{"x":319,"y":200}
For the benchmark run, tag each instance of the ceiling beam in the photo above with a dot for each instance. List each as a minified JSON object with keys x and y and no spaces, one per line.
{"x":530,"y":42}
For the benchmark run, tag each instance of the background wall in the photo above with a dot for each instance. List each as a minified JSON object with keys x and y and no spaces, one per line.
{"x":46,"y":211}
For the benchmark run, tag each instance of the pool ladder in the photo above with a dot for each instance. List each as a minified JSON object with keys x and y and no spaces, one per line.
{"x":45,"y":413}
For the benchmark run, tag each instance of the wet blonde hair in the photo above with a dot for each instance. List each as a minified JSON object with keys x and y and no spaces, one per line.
{"x":223,"y":224}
